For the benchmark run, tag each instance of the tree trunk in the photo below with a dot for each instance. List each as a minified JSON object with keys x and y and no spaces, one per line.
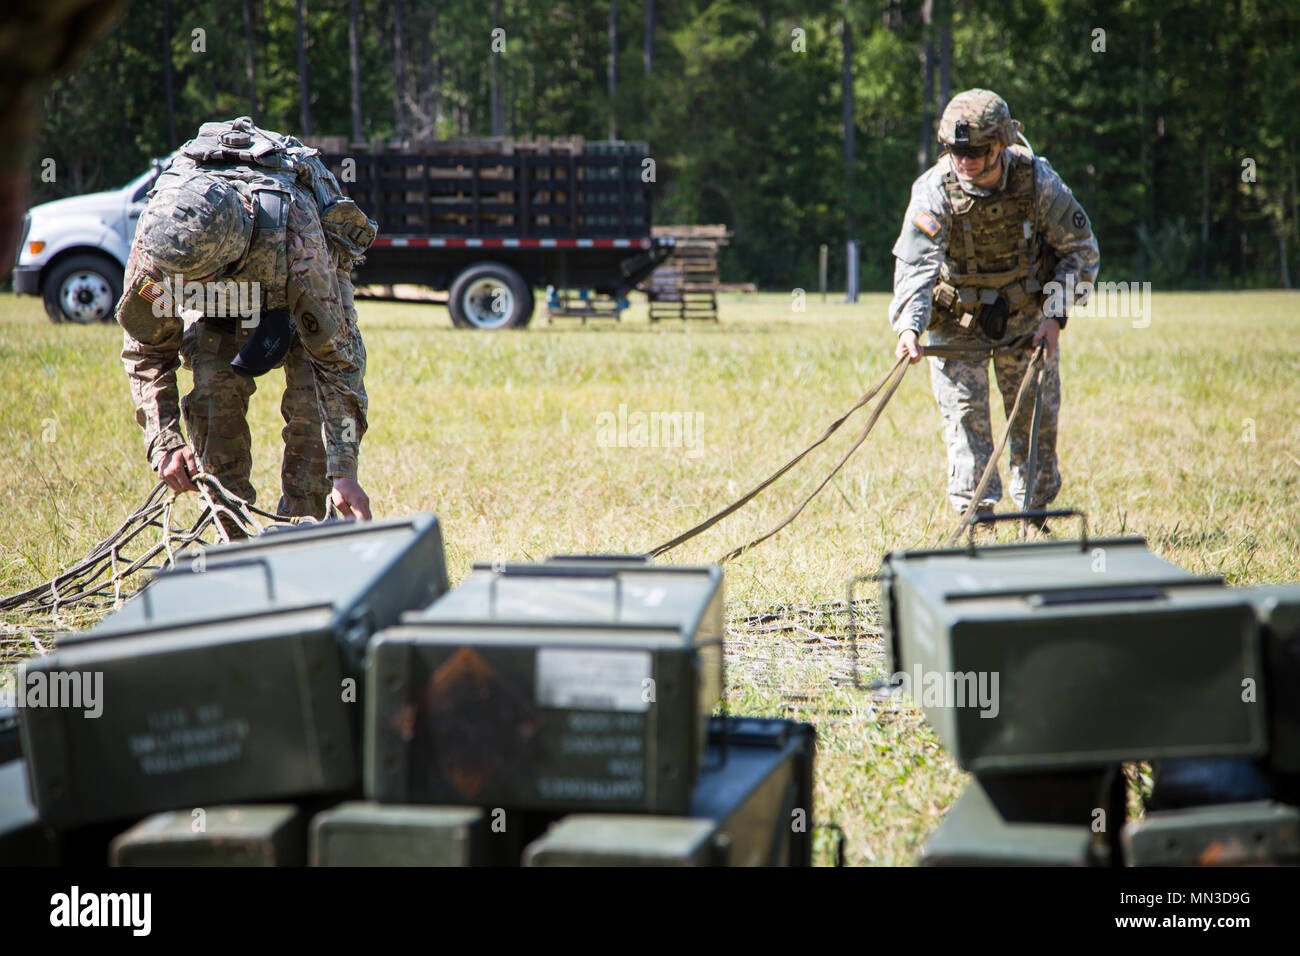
{"x":497,"y":102}
{"x":1205,"y":213}
{"x":945,"y":52}
{"x":1144,"y":230}
{"x":512,"y":15}
{"x":424,"y":128}
{"x":613,"y":67}
{"x":846,"y":94}
{"x":400,"y":111}
{"x":248,"y":59}
{"x":354,"y":62}
{"x":167,"y":74}
{"x":925,"y":155}
{"x":649,"y":54}
{"x":124,"y":133}
{"x":304,"y":87}
{"x":1281,"y":257}
{"x":438,"y":111}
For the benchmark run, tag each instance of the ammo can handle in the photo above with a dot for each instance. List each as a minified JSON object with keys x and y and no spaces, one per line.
{"x":554,"y":571}
{"x":1025,"y":515}
{"x":839,"y":839}
{"x":852,"y":589}
{"x":224,"y":565}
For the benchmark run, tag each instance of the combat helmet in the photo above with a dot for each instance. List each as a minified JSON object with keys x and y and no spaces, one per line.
{"x":195,"y":224}
{"x":977,"y":117}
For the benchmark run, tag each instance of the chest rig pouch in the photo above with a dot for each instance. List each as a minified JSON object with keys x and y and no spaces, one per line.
{"x":993,"y":266}
{"x":348,"y":230}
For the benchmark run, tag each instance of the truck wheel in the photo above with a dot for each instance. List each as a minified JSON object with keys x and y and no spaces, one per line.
{"x":82,"y":289}
{"x":490,"y":296}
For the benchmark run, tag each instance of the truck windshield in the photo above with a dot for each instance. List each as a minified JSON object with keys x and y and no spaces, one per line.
{"x":141,"y":185}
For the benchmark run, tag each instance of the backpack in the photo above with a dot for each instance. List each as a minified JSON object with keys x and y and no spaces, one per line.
{"x":241,"y":144}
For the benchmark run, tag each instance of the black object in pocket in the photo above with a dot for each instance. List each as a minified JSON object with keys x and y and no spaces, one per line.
{"x":993,"y":318}
{"x":268,"y":345}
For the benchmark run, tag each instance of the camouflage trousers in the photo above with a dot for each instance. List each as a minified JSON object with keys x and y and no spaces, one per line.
{"x":216,"y":420}
{"x":962,"y":390}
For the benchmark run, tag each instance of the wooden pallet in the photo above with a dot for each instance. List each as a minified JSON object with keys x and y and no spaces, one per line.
{"x":686,"y":285}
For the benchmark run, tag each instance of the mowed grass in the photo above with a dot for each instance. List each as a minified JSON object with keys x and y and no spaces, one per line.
{"x":1186,"y":431}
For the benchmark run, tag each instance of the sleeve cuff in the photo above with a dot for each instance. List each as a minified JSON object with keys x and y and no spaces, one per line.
{"x":341,"y":465}
{"x":164,"y":444}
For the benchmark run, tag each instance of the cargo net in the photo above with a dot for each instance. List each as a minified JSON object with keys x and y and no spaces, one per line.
{"x":811,"y":662}
{"x":149,"y":540}
{"x":798,"y":656}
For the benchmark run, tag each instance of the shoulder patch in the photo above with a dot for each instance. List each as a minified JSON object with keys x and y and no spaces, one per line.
{"x":1079,"y":220}
{"x":151,"y":292}
{"x":927,"y":224}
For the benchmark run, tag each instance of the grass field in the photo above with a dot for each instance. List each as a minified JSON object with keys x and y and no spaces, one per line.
{"x":1187,"y":432}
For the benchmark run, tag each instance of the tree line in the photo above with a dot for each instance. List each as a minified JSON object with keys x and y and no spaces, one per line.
{"x":795,"y":122}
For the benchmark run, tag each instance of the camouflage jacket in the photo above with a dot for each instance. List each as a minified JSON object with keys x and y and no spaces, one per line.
{"x":1063,"y":229}
{"x":294,"y":268}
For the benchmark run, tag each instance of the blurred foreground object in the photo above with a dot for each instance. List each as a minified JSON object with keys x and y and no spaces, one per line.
{"x":37,"y":39}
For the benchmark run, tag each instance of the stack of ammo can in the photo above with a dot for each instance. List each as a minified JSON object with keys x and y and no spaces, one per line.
{"x":318,"y":695}
{"x":1098,"y":653}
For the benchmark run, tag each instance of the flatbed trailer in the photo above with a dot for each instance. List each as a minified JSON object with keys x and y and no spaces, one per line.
{"x":490,"y":227}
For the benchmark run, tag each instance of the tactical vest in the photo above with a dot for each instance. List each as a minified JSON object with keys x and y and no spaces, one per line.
{"x":994,"y":248}
{"x":239,"y":149}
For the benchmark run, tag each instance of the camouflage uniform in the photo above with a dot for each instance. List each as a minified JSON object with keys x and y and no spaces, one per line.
{"x":296,"y":261}
{"x":962,"y":247}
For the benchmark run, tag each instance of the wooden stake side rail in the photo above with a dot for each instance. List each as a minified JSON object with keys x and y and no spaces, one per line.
{"x":521,"y":195}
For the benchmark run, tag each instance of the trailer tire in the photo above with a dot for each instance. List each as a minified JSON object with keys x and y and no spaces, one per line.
{"x":489,"y":296}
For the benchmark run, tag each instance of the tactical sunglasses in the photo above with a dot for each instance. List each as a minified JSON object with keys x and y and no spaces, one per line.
{"x":970,"y":152}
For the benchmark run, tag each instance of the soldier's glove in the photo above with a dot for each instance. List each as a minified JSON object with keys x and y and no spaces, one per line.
{"x":993,"y":318}
{"x":268,"y":345}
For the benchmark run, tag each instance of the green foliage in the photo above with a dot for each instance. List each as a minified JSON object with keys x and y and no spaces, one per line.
{"x":1151,"y":132}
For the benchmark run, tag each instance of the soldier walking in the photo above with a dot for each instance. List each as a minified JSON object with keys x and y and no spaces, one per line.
{"x":987,"y":228}
{"x":259,"y":220}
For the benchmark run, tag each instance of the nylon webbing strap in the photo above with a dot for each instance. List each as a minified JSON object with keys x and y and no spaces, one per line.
{"x":892,"y":378}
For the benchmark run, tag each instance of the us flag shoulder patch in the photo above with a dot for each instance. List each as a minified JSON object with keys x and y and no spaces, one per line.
{"x":927,"y":224}
{"x":151,"y":292}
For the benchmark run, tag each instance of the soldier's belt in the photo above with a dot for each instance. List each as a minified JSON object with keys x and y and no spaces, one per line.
{"x":229,"y":326}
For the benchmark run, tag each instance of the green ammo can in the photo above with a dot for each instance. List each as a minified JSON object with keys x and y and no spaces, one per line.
{"x":1227,"y":834}
{"x":569,"y":685}
{"x":373,"y":834}
{"x":753,"y":806}
{"x":976,"y":833}
{"x":253,"y":835}
{"x":619,"y":839}
{"x":1040,"y":656}
{"x":1278,"y":606}
{"x":231,"y":679}
{"x":24,"y":841}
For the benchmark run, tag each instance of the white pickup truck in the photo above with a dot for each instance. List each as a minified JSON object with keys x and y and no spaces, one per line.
{"x":73,"y":251}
